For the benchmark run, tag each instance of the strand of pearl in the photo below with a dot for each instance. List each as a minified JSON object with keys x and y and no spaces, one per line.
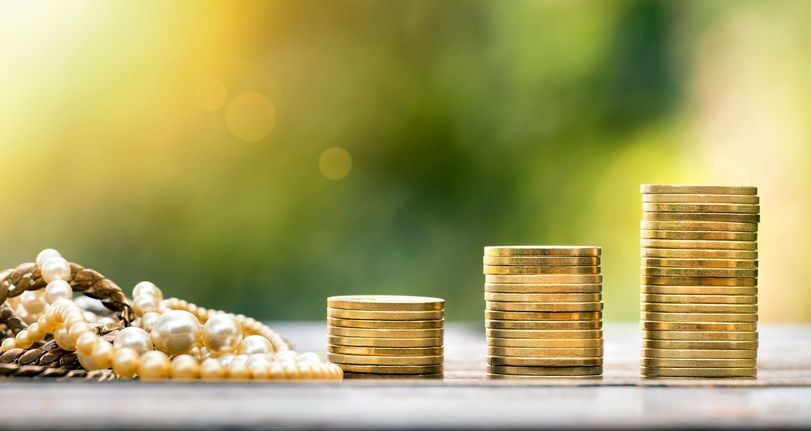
{"x":167,"y":339}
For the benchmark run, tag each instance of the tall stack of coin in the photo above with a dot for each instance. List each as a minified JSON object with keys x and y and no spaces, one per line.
{"x":699,"y":281}
{"x":386,"y":334}
{"x":543,"y":313}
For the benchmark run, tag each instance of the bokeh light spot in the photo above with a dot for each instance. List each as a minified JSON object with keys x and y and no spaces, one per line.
{"x":335,"y":163}
{"x":250,"y":116}
{"x":210,"y":94}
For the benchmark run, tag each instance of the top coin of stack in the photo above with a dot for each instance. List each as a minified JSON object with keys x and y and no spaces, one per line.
{"x":543,"y":313}
{"x":386,"y":334}
{"x":699,"y":281}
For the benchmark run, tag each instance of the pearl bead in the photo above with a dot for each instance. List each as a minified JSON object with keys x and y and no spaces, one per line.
{"x":133,"y":338}
{"x":23,"y":340}
{"x":58,"y":289}
{"x":35,"y":332}
{"x":237,"y":370}
{"x":212,"y":369}
{"x":8,"y":344}
{"x":77,"y":329}
{"x":310,"y":358}
{"x":102,"y":354}
{"x":147,"y":288}
{"x":148,"y":320}
{"x":63,"y":339}
{"x":176,"y":332}
{"x":185,"y":367}
{"x":32,"y":303}
{"x":255,"y":344}
{"x":258,"y":371}
{"x":226,"y":358}
{"x":55,"y":268}
{"x":222,"y":334}
{"x":86,"y":342}
{"x":276,"y":371}
{"x":45,"y":255}
{"x":154,"y":365}
{"x":286,"y":355}
{"x":125,"y":362}
{"x":145,"y":303}
{"x":305,"y":370}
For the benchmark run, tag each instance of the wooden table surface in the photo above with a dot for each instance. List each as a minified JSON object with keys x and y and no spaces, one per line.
{"x":464,"y":398}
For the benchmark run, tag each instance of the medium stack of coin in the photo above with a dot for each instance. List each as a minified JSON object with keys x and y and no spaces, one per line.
{"x":699,"y":281}
{"x":543,"y":313}
{"x":386,"y":334}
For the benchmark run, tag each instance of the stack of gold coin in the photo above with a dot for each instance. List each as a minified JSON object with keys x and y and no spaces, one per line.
{"x":543,"y":313}
{"x":386,"y":334}
{"x":699,"y":281}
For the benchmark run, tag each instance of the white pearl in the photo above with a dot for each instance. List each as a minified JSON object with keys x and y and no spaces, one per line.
{"x":226,"y":358}
{"x":32,"y":303}
{"x":58,"y":289}
{"x":148,"y":320}
{"x":310,"y":357}
{"x":258,"y":358}
{"x":222,"y":334}
{"x":133,"y":338}
{"x":145,"y":303}
{"x":147,"y":288}
{"x":176,"y":332}
{"x":286,"y":355}
{"x":255,"y":344}
{"x":46,"y":254}
{"x":55,"y":268}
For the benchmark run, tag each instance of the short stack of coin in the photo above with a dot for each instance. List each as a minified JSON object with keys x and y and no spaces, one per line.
{"x":386,"y":334}
{"x":699,"y":281}
{"x":543,"y":313}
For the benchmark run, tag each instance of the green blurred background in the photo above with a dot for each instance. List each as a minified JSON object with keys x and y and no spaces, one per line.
{"x":260,"y":156}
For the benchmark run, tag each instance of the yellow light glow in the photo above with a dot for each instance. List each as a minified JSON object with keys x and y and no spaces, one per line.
{"x":210,"y":94}
{"x":335,"y":163}
{"x":250,"y":116}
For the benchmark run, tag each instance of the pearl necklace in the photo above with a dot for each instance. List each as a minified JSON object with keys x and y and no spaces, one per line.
{"x":169,"y":338}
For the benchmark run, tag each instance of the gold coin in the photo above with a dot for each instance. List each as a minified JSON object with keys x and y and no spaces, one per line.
{"x":384,"y":333}
{"x":692,"y":335}
{"x":692,"y":189}
{"x":542,"y":260}
{"x":700,"y":308}
{"x":385,"y":324}
{"x":700,"y":208}
{"x":699,"y":225}
{"x":699,"y":235}
{"x":493,"y":376}
{"x":384,"y":360}
{"x":392,"y":369}
{"x":718,"y":217}
{"x":386,"y":303}
{"x":699,"y":290}
{"x":521,"y":333}
{"x":385,"y":342}
{"x":699,"y":372}
{"x":682,"y":253}
{"x":701,"y":281}
{"x":541,"y":250}
{"x":569,"y":343}
{"x":699,"y":326}
{"x":543,"y":297}
{"x":386,"y":351}
{"x":699,"y":354}
{"x":696,"y":317}
{"x":700,"y":299}
{"x":699,"y":245}
{"x":699,"y":345}
{"x":698,"y":272}
{"x":528,"y":270}
{"x":544,"y":306}
{"x":686,"y":198}
{"x":545,"y":352}
{"x":699,"y":363}
{"x":545,"y":371}
{"x":384,"y":315}
{"x":544,"y":362}
{"x":700,"y":263}
{"x":541,"y":288}
{"x":557,"y":325}
{"x":534,"y":315}
{"x":545,"y":278}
